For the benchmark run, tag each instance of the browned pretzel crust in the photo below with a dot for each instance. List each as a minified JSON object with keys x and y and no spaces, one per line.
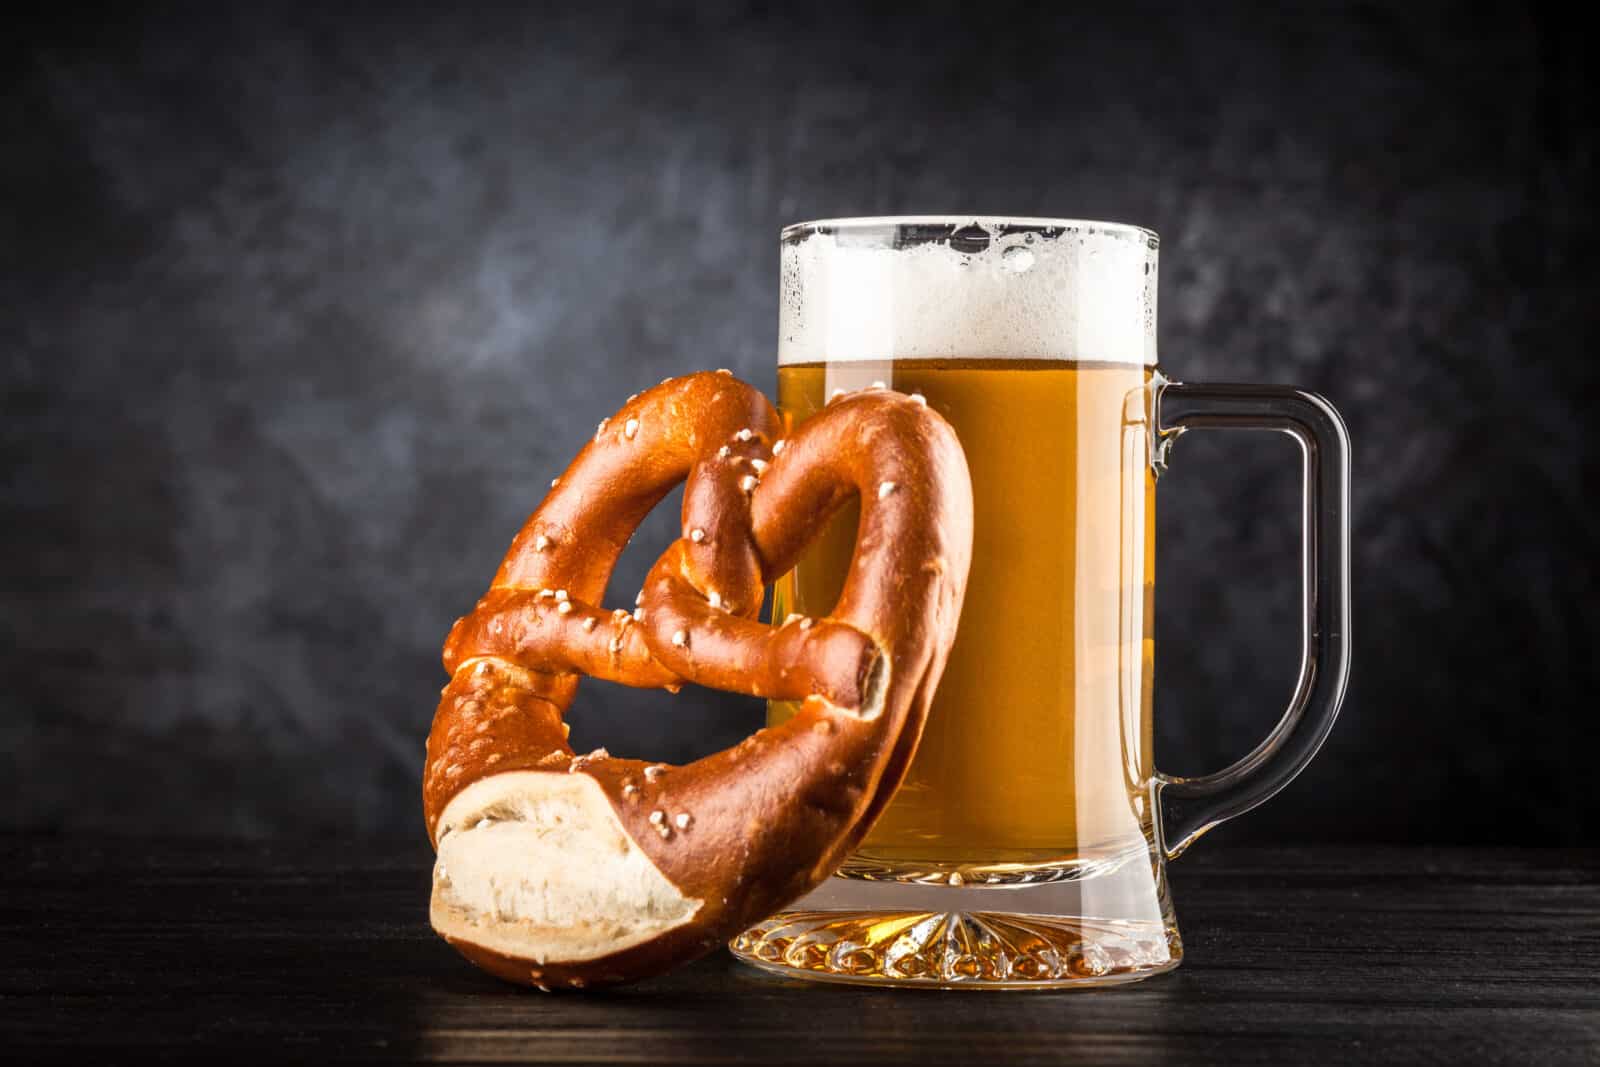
{"x":593,"y":869}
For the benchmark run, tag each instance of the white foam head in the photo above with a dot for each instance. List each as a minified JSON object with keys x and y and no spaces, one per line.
{"x":965,"y":287}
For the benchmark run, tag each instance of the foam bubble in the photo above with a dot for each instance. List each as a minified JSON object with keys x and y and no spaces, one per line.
{"x":986,"y":288}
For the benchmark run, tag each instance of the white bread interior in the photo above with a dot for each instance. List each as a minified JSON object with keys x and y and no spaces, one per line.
{"x":537,"y":866}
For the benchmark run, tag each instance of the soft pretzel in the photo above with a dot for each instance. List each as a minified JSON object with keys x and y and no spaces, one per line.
{"x":559,"y":870}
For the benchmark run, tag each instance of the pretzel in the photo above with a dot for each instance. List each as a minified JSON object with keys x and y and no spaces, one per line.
{"x":560,"y":870}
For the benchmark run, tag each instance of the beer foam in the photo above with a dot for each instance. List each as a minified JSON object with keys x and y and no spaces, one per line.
{"x":990,"y":288}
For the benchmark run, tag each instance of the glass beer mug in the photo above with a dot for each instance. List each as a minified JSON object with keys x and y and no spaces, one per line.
{"x":1027,"y":844}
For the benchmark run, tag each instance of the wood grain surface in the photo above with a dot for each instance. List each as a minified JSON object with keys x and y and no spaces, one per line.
{"x":118,"y":948}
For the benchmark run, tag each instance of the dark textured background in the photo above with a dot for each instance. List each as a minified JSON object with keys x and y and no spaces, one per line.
{"x":302,"y":311}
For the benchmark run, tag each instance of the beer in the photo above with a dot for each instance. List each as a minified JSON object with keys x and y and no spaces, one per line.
{"x":1037,"y":751}
{"x":1030,"y":815}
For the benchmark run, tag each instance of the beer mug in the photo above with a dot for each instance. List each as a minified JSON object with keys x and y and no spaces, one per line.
{"x":1026,"y":846}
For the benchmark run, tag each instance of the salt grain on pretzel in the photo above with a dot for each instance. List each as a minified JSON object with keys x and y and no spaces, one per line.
{"x":568,"y":885}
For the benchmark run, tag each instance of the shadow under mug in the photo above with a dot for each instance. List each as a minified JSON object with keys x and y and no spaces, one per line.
{"x":1026,"y":846}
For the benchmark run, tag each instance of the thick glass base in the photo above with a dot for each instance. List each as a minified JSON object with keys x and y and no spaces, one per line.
{"x":1106,"y":929}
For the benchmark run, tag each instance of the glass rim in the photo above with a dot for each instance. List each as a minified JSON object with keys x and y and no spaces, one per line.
{"x":955,"y":223}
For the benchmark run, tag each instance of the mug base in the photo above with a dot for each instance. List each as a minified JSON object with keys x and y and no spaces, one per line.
{"x":1102,"y":931}
{"x":957,"y":950}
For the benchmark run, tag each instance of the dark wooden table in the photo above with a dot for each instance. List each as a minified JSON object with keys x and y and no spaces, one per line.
{"x":118,"y":949}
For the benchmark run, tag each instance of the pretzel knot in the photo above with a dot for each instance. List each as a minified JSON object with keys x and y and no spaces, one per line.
{"x":601,"y":869}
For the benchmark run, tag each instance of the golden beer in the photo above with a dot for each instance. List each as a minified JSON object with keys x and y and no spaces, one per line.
{"x":1037,"y":751}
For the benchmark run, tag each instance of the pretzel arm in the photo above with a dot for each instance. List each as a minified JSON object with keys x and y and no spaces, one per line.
{"x":545,"y":630}
{"x":713,"y":647}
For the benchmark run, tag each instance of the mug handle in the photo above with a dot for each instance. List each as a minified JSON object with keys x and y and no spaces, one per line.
{"x":1191,"y":806}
